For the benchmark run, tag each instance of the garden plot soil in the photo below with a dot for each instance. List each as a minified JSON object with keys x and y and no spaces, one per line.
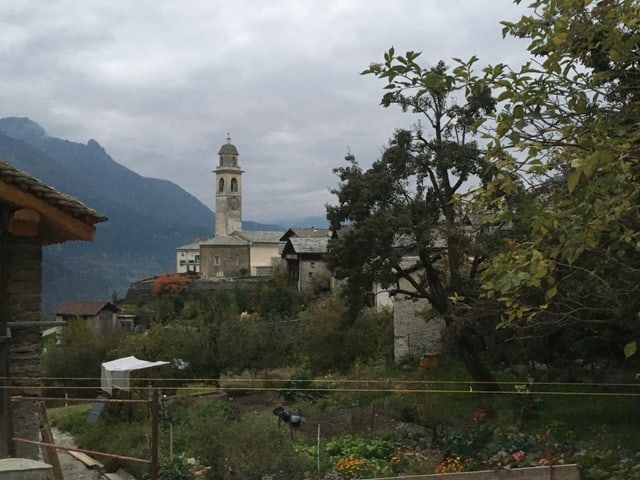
{"x":355,"y":420}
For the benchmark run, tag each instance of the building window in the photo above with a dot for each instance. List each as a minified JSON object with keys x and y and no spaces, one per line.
{"x":216,"y":260}
{"x":182,"y":263}
{"x":312,"y":265}
{"x":221,"y":185}
{"x":197,"y":257}
{"x":234,"y":185}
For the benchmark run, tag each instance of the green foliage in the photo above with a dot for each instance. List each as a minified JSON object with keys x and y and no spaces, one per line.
{"x":176,"y":468}
{"x":250,"y":448}
{"x":299,"y":387}
{"x":71,"y":419}
{"x":409,"y":201}
{"x":409,"y":218}
{"x":603,"y":464}
{"x":568,"y":126}
{"x":360,"y":447}
{"x":79,"y":357}
{"x":121,"y":438}
{"x":362,"y":457}
{"x":331,"y":341}
{"x":467,"y":442}
{"x":276,"y":299}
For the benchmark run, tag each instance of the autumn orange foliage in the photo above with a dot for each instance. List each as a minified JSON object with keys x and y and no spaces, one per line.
{"x":171,"y":284}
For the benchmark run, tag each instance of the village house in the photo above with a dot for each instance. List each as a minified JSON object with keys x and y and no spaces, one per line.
{"x":100,"y":315}
{"x":188,"y":258}
{"x":33,"y":215}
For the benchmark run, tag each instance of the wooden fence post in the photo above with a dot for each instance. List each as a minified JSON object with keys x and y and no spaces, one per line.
{"x":155,"y":420}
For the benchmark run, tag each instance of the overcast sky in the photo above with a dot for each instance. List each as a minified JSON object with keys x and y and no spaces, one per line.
{"x":159,"y":83}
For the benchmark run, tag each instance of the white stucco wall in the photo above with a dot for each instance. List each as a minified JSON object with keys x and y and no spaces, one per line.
{"x":187,"y":259}
{"x":262,"y":255}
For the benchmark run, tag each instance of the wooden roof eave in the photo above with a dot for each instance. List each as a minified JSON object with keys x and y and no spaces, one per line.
{"x":59,"y":226}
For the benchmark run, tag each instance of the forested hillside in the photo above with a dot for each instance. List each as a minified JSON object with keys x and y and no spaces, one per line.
{"x":148,"y":217}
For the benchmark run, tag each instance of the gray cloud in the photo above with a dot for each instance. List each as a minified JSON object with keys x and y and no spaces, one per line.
{"x":159,"y":83}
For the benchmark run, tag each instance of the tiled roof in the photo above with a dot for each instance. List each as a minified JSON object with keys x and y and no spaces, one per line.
{"x":309,"y":245}
{"x":81,"y":308}
{"x":12,"y":176}
{"x":307,"y":232}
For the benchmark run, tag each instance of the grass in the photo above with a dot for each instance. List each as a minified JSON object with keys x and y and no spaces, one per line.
{"x":71,"y":419}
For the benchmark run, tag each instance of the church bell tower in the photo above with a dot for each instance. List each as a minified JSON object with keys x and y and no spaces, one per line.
{"x":228,"y":191}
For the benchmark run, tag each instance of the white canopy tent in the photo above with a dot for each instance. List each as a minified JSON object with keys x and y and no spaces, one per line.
{"x":116,"y":373}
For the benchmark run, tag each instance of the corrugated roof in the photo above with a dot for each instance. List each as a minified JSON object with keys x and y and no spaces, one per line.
{"x":10,"y":175}
{"x":84,"y":308}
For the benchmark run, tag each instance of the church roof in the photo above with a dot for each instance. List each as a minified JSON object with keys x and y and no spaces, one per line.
{"x":228,"y":148}
{"x":222,"y":240}
{"x":257,"y":236}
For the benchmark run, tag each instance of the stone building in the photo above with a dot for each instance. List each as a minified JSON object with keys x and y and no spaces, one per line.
{"x":232,"y":252}
{"x":306,"y":263}
{"x":32,"y":215}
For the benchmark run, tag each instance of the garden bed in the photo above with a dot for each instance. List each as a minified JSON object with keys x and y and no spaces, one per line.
{"x":556,"y":472}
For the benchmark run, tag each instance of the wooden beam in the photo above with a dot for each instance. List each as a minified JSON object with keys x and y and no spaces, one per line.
{"x":71,"y":228}
{"x":25,"y":222}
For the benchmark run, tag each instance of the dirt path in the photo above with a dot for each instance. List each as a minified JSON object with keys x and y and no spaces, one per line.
{"x":72,"y":469}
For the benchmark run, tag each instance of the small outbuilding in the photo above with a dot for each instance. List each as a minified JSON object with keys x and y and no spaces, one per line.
{"x":100,"y":315}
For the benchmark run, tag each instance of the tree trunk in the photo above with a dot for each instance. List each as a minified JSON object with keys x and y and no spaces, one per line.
{"x":467,"y":349}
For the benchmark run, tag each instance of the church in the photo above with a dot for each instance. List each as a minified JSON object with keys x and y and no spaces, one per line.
{"x":231,"y":252}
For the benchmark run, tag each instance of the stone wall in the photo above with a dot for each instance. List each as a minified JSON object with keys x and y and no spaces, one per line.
{"x":233,"y":260}
{"x":23,"y":298}
{"x":417,"y":331}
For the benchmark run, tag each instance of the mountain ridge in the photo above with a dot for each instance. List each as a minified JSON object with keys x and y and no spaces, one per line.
{"x":148,"y":217}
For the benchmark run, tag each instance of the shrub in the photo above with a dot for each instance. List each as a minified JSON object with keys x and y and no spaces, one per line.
{"x":250,"y":448}
{"x":172,"y":284}
{"x":299,"y":387}
{"x":79,"y":357}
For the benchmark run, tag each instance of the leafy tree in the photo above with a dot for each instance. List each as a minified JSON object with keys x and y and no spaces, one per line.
{"x":406,"y":213}
{"x":172,"y":284}
{"x":276,"y":299}
{"x":328,"y":341}
{"x":80,"y":355}
{"x":566,"y":140}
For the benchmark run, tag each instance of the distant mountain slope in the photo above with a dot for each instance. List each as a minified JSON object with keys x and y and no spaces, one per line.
{"x":148,"y":218}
